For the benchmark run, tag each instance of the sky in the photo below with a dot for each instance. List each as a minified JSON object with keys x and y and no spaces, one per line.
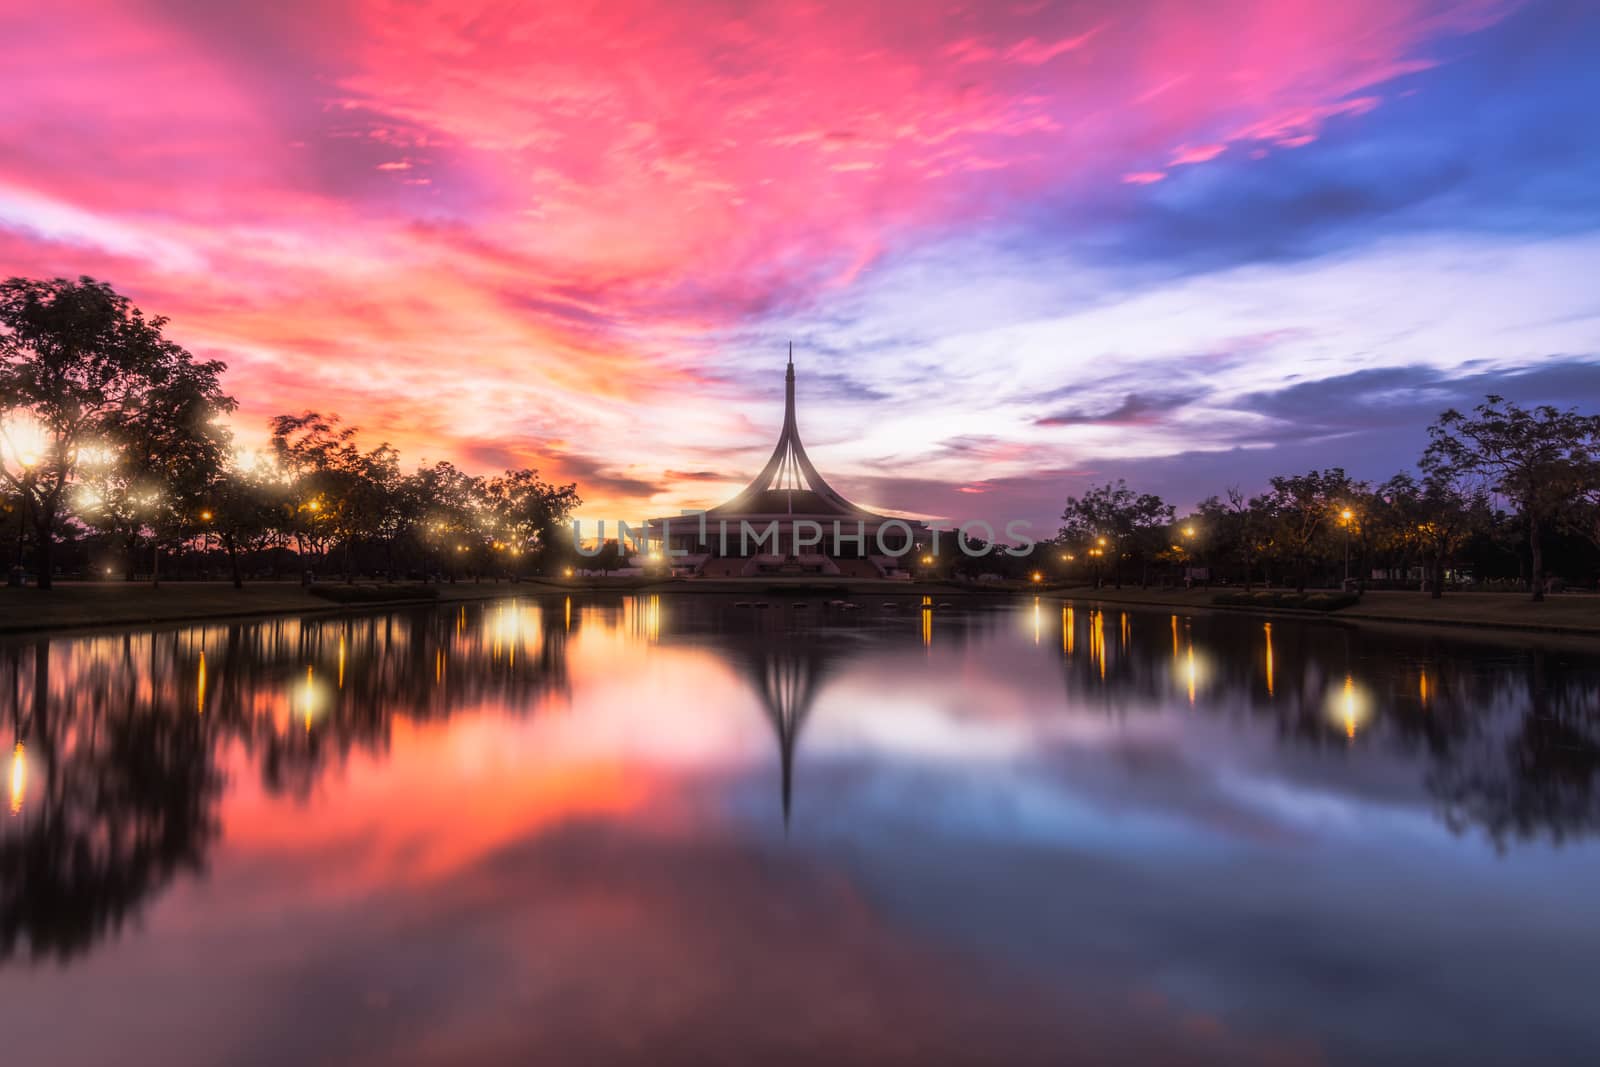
{"x":1020,"y":248}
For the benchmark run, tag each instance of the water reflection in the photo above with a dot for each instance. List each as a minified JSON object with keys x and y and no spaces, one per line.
{"x":985,"y":759}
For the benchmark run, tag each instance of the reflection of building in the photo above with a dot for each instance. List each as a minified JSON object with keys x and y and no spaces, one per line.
{"x":786,"y":665}
{"x":788,"y":685}
{"x":756,"y":532}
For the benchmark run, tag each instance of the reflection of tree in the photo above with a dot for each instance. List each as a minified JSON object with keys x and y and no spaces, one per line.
{"x":1510,"y":744}
{"x":1532,"y":772}
{"x":302,"y":696}
{"x":126,"y":802}
{"x":123,"y":736}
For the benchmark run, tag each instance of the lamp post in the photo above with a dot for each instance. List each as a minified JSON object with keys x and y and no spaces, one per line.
{"x":1344,"y":517}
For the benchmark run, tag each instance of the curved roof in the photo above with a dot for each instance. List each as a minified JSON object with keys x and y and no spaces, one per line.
{"x":789,"y":484}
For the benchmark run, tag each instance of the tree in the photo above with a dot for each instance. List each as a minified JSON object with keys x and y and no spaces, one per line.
{"x":1542,"y":460}
{"x":343,"y":493}
{"x":1304,"y":506}
{"x":85,"y":367}
{"x":1434,"y":519}
{"x":1239,"y":526}
{"x":246,"y":501}
{"x":1132,"y":525}
{"x":529,"y":513}
{"x":442,"y":498}
{"x":612,"y":556}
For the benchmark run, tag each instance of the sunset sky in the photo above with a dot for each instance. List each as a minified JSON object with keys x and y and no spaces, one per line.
{"x":1019,"y":246}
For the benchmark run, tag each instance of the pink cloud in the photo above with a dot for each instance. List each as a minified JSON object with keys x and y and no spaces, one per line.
{"x":608,"y":189}
{"x":1033,"y":52}
{"x":1198,"y":154}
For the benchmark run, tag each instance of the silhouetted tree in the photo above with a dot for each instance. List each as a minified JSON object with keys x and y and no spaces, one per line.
{"x":1133,"y":525}
{"x":1542,"y":460}
{"x":87,"y":368}
{"x":1434,"y":519}
{"x":1304,"y":507}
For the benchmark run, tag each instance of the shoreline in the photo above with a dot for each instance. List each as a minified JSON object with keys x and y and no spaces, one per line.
{"x":86,"y":606}
{"x":1579,"y":614}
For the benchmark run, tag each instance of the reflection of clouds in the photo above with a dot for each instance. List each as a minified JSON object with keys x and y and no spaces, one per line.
{"x":573,"y":824}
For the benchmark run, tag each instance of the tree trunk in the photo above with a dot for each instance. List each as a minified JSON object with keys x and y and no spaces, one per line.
{"x":155,"y":564}
{"x":1436,"y":578}
{"x":233,"y":558}
{"x":1300,"y":576}
{"x":1538,"y":558}
{"x":348,"y":577}
{"x":43,"y":536}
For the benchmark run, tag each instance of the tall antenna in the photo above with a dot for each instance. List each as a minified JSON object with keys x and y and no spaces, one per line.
{"x":791,"y":353}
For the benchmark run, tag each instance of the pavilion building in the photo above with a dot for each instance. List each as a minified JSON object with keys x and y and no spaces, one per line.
{"x":790,"y":499}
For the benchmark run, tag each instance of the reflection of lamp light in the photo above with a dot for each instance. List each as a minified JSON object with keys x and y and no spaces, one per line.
{"x":310,"y":694}
{"x":1350,"y":706}
{"x":1269,"y":657}
{"x":19,"y":777}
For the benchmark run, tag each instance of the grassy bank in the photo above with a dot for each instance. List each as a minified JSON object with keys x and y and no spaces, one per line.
{"x":73,"y":605}
{"x":76,"y":605}
{"x":1570,"y":613}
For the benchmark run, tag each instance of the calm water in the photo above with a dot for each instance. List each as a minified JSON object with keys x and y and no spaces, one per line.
{"x":677,"y":830}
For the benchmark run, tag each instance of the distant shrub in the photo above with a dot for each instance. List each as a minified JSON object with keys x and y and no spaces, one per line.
{"x":1287,"y":599}
{"x":373,"y":594}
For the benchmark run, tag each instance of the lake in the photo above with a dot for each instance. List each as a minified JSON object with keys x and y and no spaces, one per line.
{"x":661,"y":829}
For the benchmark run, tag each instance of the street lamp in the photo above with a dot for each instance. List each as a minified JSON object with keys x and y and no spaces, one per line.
{"x":1344,"y":518}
